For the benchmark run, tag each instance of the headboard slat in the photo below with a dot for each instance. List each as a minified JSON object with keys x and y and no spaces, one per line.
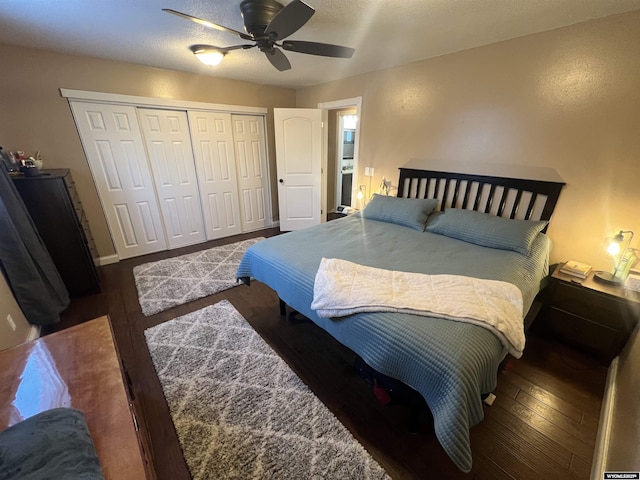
{"x":476,"y":203}
{"x":437,"y":188}
{"x":503,"y":201}
{"x":492,"y":191}
{"x":445,"y":195}
{"x":537,"y":190}
{"x":456,"y":191}
{"x":532,"y":202}
{"x":467,"y":191}
{"x":516,"y":204}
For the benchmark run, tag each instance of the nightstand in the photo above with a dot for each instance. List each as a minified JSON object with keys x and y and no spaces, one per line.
{"x":591,"y":316}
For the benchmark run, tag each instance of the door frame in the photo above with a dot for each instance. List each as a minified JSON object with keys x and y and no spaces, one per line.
{"x":340,"y":105}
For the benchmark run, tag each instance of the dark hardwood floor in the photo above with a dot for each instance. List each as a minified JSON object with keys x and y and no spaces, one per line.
{"x":542,"y":425}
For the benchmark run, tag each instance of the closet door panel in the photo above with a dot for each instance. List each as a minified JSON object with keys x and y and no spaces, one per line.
{"x":252,"y":171}
{"x":111,"y":138}
{"x":168,"y":141}
{"x":212,"y":137}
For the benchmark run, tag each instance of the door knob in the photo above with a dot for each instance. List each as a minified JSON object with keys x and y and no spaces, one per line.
{"x":281,"y":180}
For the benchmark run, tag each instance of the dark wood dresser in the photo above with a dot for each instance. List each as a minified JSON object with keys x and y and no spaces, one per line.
{"x":592,"y":316}
{"x":54,"y":205}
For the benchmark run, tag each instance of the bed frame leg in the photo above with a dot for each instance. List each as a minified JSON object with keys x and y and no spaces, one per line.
{"x":283,"y":308}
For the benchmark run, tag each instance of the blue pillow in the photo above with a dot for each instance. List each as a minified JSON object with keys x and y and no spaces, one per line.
{"x":487,"y":230}
{"x":409,"y":212}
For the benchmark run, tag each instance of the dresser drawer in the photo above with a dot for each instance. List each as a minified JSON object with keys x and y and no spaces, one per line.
{"x":596,"y":307}
{"x":591,"y":337}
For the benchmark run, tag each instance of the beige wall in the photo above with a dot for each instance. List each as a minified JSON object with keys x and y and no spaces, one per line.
{"x":33,"y":115}
{"x":8,"y":306}
{"x":567,"y":99}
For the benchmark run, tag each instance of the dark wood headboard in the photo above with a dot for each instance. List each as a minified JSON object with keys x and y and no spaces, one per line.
{"x":505,"y":197}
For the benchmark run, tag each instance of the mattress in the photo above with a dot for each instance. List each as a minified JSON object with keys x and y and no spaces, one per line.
{"x":450,"y":363}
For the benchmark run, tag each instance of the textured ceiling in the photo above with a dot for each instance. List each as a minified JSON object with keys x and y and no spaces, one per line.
{"x":385,"y":33}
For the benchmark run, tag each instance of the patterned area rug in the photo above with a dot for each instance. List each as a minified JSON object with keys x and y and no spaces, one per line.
{"x":174,"y":281}
{"x":239,"y":410}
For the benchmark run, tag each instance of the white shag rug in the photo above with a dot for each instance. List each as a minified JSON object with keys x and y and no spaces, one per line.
{"x":239,"y":410}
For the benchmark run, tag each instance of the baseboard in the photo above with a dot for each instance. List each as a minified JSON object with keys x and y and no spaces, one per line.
{"x":601,"y":451}
{"x":34,"y":333}
{"x":108,"y":260}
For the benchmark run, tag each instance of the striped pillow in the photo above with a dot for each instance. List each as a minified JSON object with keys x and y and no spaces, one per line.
{"x":487,"y":230}
{"x":409,"y":212}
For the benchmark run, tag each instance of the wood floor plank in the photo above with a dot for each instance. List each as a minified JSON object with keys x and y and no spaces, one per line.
{"x":488,"y":470}
{"x":544,"y":396}
{"x":525,"y":451}
{"x":546,"y":427}
{"x":580,"y":468}
{"x":506,"y":459}
{"x":506,"y":388}
{"x":574,"y":427}
{"x":565,"y":373}
{"x":546,"y":445}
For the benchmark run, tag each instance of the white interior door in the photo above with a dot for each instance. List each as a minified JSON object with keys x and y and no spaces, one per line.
{"x":252,"y":171}
{"x":298,"y":135}
{"x":115,"y":151}
{"x":213,"y":150}
{"x":168,"y":141}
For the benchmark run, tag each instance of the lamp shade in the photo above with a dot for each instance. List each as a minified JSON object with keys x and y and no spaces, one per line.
{"x":614,"y":246}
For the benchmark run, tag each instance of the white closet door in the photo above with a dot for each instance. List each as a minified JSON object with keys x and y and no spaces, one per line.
{"x":115,"y":151}
{"x":252,"y":171}
{"x":213,"y":151}
{"x":166,"y":133}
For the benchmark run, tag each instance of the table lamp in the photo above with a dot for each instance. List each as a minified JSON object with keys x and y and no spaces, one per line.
{"x":621,"y":259}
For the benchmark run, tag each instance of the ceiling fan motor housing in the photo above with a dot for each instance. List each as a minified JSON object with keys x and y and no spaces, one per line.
{"x":257,"y":14}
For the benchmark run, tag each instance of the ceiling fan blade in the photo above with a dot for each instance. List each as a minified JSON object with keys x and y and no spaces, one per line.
{"x":314,"y":48}
{"x":221,"y":49}
{"x":278,"y":59}
{"x":288,"y":20}
{"x":237,"y":47}
{"x":207,"y":23}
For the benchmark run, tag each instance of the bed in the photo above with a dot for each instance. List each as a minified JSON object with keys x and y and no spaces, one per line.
{"x":440,"y":223}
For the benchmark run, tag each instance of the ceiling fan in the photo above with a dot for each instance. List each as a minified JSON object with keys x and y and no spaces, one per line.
{"x":267,"y":23}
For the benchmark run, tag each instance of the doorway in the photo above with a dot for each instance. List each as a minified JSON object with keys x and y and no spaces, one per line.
{"x":342,"y":125}
{"x":343,"y":133}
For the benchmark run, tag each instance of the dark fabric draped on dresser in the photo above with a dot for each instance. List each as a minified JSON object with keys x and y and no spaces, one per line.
{"x":25,"y":262}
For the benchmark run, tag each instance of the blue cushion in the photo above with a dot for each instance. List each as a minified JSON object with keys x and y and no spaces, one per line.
{"x":487,"y":230}
{"x":410,"y":212}
{"x":52,"y":444}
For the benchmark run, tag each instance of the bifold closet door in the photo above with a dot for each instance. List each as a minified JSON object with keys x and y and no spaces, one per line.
{"x":252,"y":172}
{"x":168,"y":141}
{"x":113,"y":144}
{"x":213,"y":150}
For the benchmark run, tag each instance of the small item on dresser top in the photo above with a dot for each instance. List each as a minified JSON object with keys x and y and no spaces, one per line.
{"x":576,"y":269}
{"x":633,"y":281}
{"x":345,"y":209}
{"x":29,"y":168}
{"x":7,"y":161}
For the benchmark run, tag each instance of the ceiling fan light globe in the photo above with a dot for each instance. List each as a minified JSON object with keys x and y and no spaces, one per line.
{"x":209,"y":57}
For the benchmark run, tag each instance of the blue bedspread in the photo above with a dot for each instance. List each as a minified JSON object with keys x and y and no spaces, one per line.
{"x":450,"y":363}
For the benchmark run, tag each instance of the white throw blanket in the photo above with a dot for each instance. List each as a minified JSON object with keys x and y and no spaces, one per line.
{"x":342,"y":288}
